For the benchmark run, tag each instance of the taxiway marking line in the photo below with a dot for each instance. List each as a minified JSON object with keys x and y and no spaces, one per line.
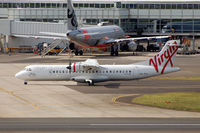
{"x":20,"y":98}
{"x":145,"y":124}
{"x":109,"y":124}
{"x":114,"y":99}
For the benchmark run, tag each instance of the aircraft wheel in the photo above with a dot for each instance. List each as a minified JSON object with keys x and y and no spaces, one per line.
{"x":76,"y":52}
{"x":81,"y":52}
{"x":90,"y":83}
{"x":25,"y":83}
{"x":116,"y":53}
{"x":112,"y":51}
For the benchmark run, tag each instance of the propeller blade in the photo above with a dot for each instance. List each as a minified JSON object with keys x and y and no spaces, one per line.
{"x":70,"y":63}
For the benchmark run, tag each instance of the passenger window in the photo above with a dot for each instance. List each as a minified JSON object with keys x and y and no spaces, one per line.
{"x":57,"y":71}
{"x":96,"y":71}
{"x":82,"y":71}
{"x":63,"y":71}
{"x":129,"y":71}
{"x":106,"y":71}
{"x":119,"y":71}
{"x":110,"y":71}
{"x":53,"y":71}
{"x":116,"y":71}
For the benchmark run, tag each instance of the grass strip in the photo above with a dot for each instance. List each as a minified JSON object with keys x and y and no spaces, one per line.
{"x":185,"y":101}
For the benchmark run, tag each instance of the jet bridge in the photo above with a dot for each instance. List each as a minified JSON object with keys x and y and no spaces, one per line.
{"x":11,"y":28}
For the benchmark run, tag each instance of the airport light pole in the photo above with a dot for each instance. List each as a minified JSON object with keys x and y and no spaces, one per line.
{"x":193,"y":43}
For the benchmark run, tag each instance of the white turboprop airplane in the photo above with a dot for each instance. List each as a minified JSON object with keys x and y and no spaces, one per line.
{"x":91,"y":72}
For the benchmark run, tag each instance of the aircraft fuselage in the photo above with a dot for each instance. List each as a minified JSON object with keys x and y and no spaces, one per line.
{"x":61,"y":73}
{"x":97,"y":36}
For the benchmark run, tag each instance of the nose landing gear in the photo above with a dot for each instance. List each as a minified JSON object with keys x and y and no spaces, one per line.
{"x":25,"y":82}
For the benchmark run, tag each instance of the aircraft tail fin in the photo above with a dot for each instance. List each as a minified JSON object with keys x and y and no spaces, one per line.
{"x":71,"y":16}
{"x":163,"y":62}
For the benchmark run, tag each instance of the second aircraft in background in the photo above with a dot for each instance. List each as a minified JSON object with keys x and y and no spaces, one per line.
{"x":95,"y":36}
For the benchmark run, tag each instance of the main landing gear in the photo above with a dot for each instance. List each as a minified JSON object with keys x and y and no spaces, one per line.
{"x":114,"y":50}
{"x":78,"y":52}
{"x":90,"y":82}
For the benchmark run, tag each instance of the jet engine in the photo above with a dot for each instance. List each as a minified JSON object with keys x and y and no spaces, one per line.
{"x":132,"y":46}
{"x":72,"y":46}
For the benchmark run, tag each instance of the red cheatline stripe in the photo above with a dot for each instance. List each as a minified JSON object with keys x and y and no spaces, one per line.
{"x":74,"y":66}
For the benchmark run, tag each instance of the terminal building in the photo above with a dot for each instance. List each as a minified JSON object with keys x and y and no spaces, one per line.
{"x":136,"y":17}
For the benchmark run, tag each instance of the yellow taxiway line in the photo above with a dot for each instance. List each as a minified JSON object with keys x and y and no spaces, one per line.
{"x":21,"y":99}
{"x":114,"y":99}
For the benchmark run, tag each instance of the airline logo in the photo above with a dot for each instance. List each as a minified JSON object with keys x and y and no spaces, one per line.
{"x":73,"y":18}
{"x":165,"y":58}
{"x":86,"y":37}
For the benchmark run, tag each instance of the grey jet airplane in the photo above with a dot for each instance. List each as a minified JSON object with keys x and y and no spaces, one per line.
{"x":96,"y":36}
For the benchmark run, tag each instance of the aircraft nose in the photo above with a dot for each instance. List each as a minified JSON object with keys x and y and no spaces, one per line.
{"x":69,"y":34}
{"x":19,"y":75}
{"x":72,"y":34}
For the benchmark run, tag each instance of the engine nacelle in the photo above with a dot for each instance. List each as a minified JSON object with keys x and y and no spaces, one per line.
{"x":132,"y":46}
{"x":79,"y":79}
{"x":71,"y":46}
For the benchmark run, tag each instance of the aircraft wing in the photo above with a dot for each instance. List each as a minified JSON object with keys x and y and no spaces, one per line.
{"x":140,"y":38}
{"x":106,"y":40}
{"x":54,"y":34}
{"x":42,"y":37}
{"x":90,"y":64}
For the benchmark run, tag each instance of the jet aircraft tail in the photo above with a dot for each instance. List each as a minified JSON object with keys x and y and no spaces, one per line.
{"x":163,"y":62}
{"x":71,"y":16}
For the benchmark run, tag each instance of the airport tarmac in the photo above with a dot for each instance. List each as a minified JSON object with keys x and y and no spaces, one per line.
{"x":111,"y":125}
{"x":68,"y":99}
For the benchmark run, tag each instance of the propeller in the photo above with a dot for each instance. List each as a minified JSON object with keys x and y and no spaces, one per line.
{"x":70,"y":63}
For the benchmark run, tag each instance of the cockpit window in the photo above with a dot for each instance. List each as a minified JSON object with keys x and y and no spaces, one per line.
{"x":27,"y":69}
